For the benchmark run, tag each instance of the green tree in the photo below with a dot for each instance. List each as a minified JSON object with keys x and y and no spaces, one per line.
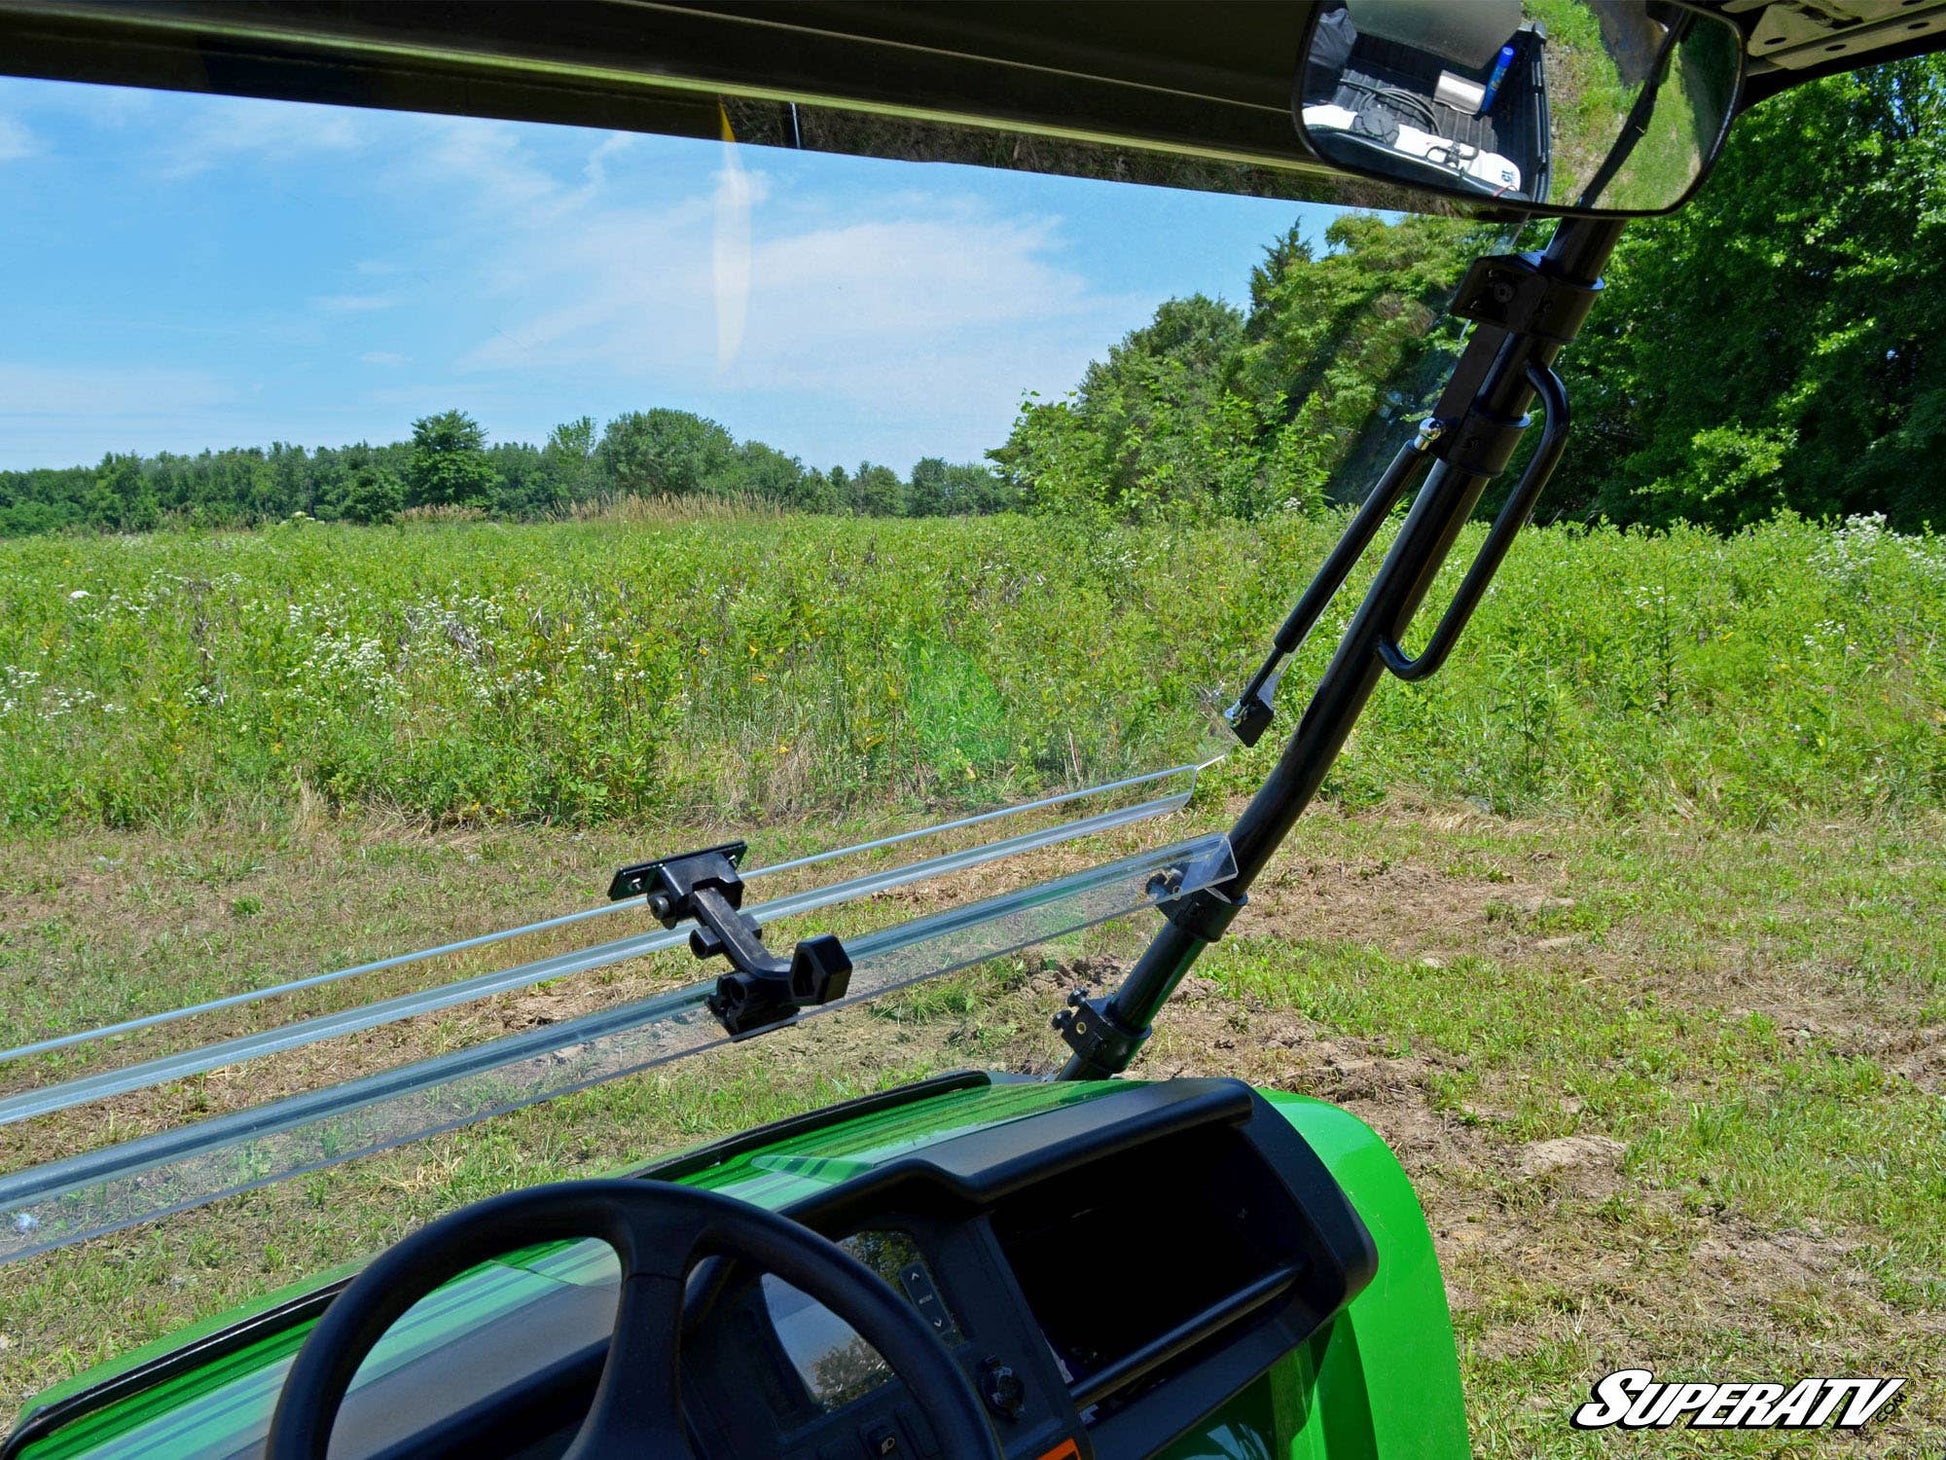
{"x":877,"y":491}
{"x":1781,"y":342}
{"x":1334,"y":336}
{"x":765,"y":472}
{"x":373,"y":493}
{"x":123,"y":499}
{"x":666,"y":453}
{"x":526,"y":487}
{"x":449,"y":463}
{"x":940,"y":488}
{"x":1208,"y":411}
{"x":570,"y":458}
{"x":1126,"y":444}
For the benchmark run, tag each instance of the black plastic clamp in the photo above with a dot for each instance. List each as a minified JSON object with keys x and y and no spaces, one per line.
{"x":1512,"y":292}
{"x":1251,"y":715}
{"x":1093,"y":1028}
{"x":764,"y":989}
{"x":1205,"y":914}
{"x":1094,"y":1031}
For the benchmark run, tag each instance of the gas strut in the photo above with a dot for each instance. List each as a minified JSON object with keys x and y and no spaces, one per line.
{"x":1524,"y":308}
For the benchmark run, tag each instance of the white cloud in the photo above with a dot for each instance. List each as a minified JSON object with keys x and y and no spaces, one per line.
{"x":61,"y":415}
{"x":39,"y":392}
{"x":930,"y":304}
{"x":730,"y":258}
{"x":15,"y":140}
{"x":245,"y":130}
{"x":490,"y":161}
{"x":615,"y":144}
{"x":812,"y":303}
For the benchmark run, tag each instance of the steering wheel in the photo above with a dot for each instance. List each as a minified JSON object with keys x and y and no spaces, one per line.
{"x":659,"y":1231}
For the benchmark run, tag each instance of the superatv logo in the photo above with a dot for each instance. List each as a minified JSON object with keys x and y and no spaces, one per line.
{"x":1633,"y":1399}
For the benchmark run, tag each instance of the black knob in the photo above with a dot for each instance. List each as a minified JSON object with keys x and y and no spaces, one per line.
{"x":1002,"y":1389}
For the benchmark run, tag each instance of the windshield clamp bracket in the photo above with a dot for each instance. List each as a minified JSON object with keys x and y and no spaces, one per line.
{"x":1205,"y":914}
{"x":1096,"y":1033}
{"x":1512,"y":292}
{"x":707,"y":888}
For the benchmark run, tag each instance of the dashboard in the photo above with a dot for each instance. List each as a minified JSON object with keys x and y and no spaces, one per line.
{"x":1108,"y":1266}
{"x":1105,"y":1275}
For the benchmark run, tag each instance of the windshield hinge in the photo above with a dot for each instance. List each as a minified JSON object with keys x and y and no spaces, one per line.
{"x":1096,"y":1034}
{"x":764,"y":989}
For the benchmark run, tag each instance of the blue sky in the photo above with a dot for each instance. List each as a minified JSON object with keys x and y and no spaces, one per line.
{"x":186,"y":271}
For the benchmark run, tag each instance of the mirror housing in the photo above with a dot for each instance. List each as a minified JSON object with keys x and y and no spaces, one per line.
{"x":1602,"y":108}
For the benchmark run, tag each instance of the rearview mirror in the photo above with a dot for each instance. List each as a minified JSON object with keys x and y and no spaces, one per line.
{"x":1576,"y":106}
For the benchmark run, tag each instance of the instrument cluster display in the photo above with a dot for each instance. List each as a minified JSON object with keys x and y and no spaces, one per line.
{"x":835,"y":1365}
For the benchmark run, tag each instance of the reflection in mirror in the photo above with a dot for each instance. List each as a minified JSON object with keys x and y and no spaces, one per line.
{"x":1617,"y":105}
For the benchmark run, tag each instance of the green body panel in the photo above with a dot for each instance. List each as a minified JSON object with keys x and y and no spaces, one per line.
{"x":1381,"y":1379}
{"x":1384,"y":1375}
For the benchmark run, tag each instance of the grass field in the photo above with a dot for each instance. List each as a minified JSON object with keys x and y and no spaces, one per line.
{"x":1624,"y":932}
{"x":725,"y":666}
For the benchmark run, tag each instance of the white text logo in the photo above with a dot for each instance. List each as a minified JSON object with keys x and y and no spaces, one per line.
{"x":1633,"y":1399}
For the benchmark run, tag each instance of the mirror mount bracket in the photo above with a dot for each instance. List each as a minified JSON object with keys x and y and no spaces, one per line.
{"x":1516,"y":293}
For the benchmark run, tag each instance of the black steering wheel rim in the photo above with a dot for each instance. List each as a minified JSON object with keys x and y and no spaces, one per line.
{"x":659,"y":1231}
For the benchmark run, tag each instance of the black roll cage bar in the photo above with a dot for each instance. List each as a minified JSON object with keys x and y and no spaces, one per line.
{"x":1525,"y":308}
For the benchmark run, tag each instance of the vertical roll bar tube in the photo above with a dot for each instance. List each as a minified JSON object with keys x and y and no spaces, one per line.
{"x":1574,"y":257}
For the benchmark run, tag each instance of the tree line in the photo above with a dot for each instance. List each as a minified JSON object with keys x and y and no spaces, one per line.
{"x":1779,"y":344}
{"x":449,"y":464}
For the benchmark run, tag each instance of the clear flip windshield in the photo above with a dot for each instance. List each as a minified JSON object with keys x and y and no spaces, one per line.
{"x":405,"y":522}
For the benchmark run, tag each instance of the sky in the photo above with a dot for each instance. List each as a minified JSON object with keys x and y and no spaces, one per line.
{"x":188,"y":271}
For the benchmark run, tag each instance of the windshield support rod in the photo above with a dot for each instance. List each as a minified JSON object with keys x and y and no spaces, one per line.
{"x":1502,"y":352}
{"x":1251,"y":715}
